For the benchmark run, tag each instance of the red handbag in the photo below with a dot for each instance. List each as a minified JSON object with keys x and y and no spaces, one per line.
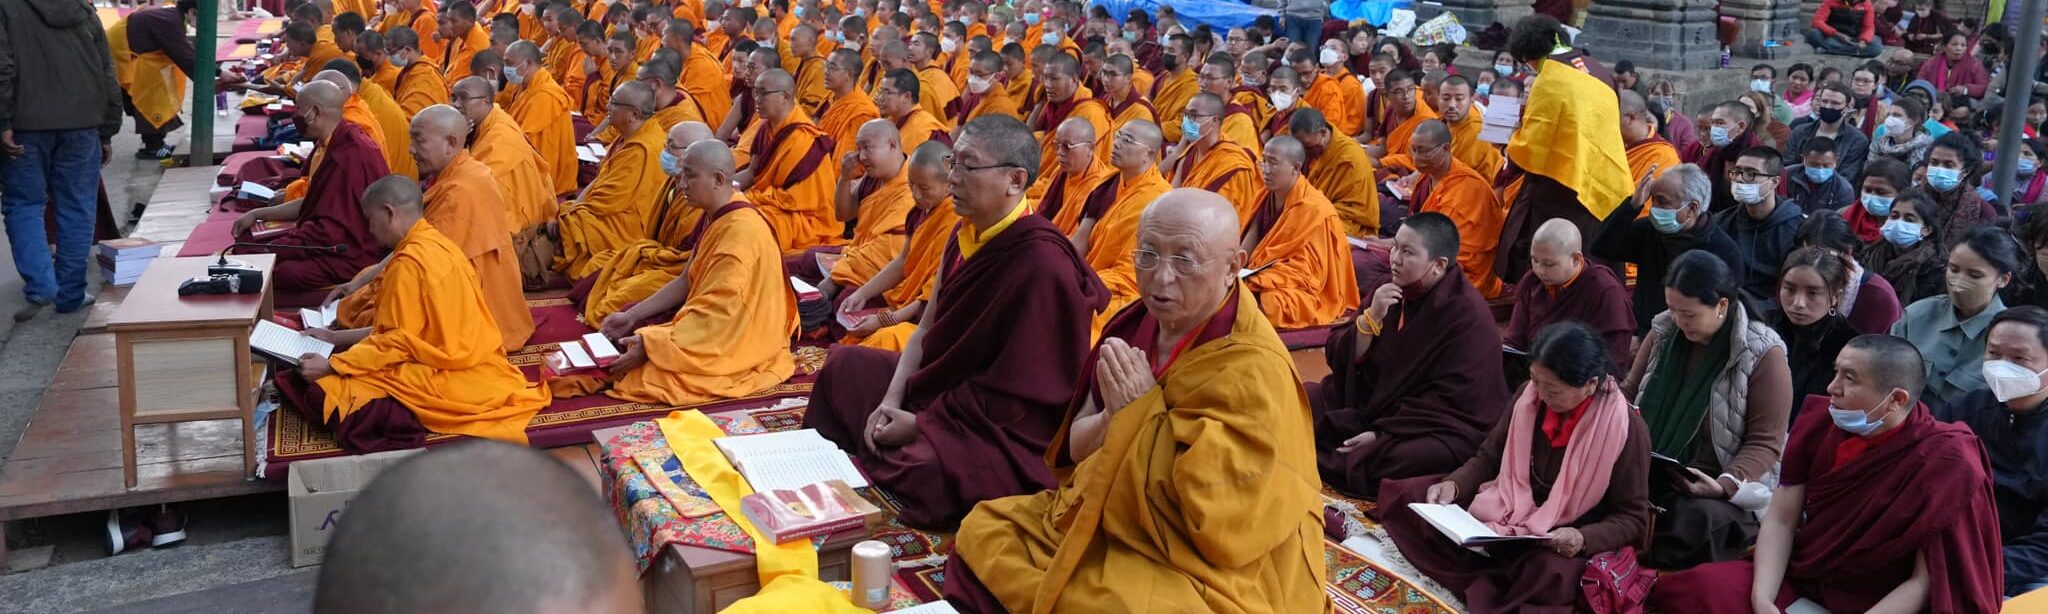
{"x":1615,"y":584}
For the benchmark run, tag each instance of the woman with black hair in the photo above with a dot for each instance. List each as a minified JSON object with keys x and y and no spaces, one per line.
{"x":1809,"y":318}
{"x":1911,"y":253}
{"x":1869,"y":301}
{"x":1953,"y":163}
{"x":1949,"y":329}
{"x":1715,"y":389}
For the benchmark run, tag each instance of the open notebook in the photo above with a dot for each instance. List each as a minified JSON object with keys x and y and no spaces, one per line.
{"x":285,"y":344}
{"x":788,"y":460}
{"x":1459,"y":525}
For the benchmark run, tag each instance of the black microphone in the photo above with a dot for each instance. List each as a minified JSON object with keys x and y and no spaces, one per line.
{"x":337,"y":250}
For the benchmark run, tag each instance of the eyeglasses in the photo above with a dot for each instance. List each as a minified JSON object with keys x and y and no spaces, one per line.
{"x":1147,"y":260}
{"x":953,"y":164}
{"x":1747,"y":175}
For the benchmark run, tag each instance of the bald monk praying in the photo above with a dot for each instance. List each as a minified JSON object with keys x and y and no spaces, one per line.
{"x":1155,"y":510}
{"x":848,"y":108}
{"x":1203,"y":160}
{"x":729,"y":317}
{"x":790,"y":179}
{"x":495,"y":140}
{"x":1081,"y":185}
{"x":1416,"y":382}
{"x":541,"y":108}
{"x":329,"y":215}
{"x":632,"y":272}
{"x":904,"y":285}
{"x":873,"y":196}
{"x":615,"y":207}
{"x":1562,"y":285}
{"x":392,"y":554}
{"x":433,"y":359}
{"x":1340,"y":168}
{"x":462,"y":197}
{"x":969,"y":407}
{"x":1444,"y":184}
{"x":1297,"y":247}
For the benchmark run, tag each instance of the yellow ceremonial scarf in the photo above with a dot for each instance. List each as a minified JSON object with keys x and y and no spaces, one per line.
{"x":689,"y":434}
{"x":971,"y":241}
{"x":1564,"y":138}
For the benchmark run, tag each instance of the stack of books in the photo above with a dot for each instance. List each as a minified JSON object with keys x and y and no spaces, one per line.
{"x":123,"y":260}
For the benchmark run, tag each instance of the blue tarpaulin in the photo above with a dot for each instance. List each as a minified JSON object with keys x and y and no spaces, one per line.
{"x":1219,"y":15}
{"x":1375,"y":12}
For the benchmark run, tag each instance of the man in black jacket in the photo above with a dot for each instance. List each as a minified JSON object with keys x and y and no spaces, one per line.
{"x":59,"y":110}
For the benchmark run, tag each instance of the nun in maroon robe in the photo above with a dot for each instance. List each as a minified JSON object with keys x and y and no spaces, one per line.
{"x":1594,"y":298}
{"x":1431,"y":386}
{"x":330,"y":217}
{"x":1920,"y":490}
{"x":1004,"y":341}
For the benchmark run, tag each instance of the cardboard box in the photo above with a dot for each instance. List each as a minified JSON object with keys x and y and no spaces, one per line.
{"x":319,"y":490}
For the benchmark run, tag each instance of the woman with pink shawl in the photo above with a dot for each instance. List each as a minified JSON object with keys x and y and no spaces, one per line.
{"x":1571,"y":462}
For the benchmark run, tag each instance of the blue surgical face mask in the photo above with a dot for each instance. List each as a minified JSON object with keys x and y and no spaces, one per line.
{"x":1943,"y":179}
{"x":1877,"y":206}
{"x":1665,"y":220}
{"x":1049,"y":38}
{"x":798,"y":11}
{"x":670,"y":164}
{"x":1818,"y":174}
{"x":2027,"y":167}
{"x":1131,"y":37}
{"x":1189,"y":128}
{"x":1504,"y":69}
{"x":860,"y":12}
{"x":1760,"y":85}
{"x":1900,"y":232}
{"x":1719,"y":136}
{"x":1855,"y":422}
{"x":512,"y":75}
{"x":1483,"y":89}
{"x":1031,"y":19}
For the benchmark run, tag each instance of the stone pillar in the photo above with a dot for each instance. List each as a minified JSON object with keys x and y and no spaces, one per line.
{"x":1761,"y":21}
{"x":1475,"y":15}
{"x":1661,"y":34}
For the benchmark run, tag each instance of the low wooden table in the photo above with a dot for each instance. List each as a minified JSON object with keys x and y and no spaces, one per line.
{"x":186,"y":358}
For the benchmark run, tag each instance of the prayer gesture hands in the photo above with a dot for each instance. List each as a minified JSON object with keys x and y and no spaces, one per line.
{"x":634,"y":356}
{"x":890,"y":427}
{"x":1384,"y":299}
{"x":1642,"y":195}
{"x":1123,"y":373}
{"x":1567,"y":541}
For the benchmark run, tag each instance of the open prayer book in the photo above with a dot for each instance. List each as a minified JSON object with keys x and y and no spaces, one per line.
{"x":1459,"y":525}
{"x":590,"y":353}
{"x":592,"y":153}
{"x":319,"y":318}
{"x":251,"y":190}
{"x":788,"y":460}
{"x":285,"y":344}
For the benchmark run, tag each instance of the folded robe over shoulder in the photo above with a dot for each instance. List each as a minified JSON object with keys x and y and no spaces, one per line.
{"x":1310,"y":281}
{"x":929,"y":232}
{"x":1115,"y":237}
{"x":705,"y":80}
{"x":620,"y":200}
{"x":793,"y":182}
{"x":731,"y":336}
{"x":1170,"y":514}
{"x":396,"y":125}
{"x":435,"y":349}
{"x":420,"y":86}
{"x":632,"y":272}
{"x":1344,"y":174}
{"x":1227,"y":169}
{"x":542,"y":109}
{"x":519,"y":170}
{"x":878,"y":233}
{"x":842,"y":119}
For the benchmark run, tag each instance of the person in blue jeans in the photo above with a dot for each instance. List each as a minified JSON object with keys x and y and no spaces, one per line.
{"x":1301,"y":21}
{"x":59,"y":110}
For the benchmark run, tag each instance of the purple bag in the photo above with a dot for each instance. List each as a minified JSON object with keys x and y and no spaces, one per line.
{"x":1615,"y":584}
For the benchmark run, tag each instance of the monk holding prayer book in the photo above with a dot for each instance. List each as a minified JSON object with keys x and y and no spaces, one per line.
{"x":966,"y":412}
{"x":330,"y":214}
{"x":1158,"y":507}
{"x":1562,"y":285}
{"x":905,"y":284}
{"x":630,"y":273}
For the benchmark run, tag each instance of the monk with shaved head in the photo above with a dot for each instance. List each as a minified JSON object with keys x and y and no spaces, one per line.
{"x":809,"y":74}
{"x":722,"y":329}
{"x":903,"y":286}
{"x":496,"y":141}
{"x":616,"y":207}
{"x":985,"y":92}
{"x":391,"y":120}
{"x":392,"y":557}
{"x":1134,"y":154}
{"x":1445,"y":184}
{"x":1339,"y":167}
{"x":1187,"y":388}
{"x":702,"y":75}
{"x":432,"y":359}
{"x":463,"y":199}
{"x":1065,"y":98}
{"x":847,"y":107}
{"x":541,"y":108}
{"x":1203,"y":159}
{"x":631,"y":272}
{"x":789,"y":177}
{"x":461,"y":39}
{"x":1563,"y":285}
{"x":1078,"y":187}
{"x":874,"y":197}
{"x":344,"y":164}
{"x":1297,"y":246}
{"x":674,"y":106}
{"x":419,"y":84}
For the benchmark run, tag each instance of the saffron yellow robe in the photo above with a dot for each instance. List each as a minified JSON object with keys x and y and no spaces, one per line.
{"x":1076,"y":188}
{"x":1115,"y":238}
{"x":1256,"y":106}
{"x":934,"y":91}
{"x":997,"y":101}
{"x":1130,"y":111}
{"x":619,"y":202}
{"x":520,"y":172}
{"x":1170,"y":98}
{"x":542,"y":109}
{"x":434,"y":347}
{"x":455,"y":58}
{"x":419,"y":85}
{"x":919,"y":126}
{"x":564,"y":58}
{"x":1398,"y":138}
{"x":1565,"y":136}
{"x":630,"y":273}
{"x":707,"y":84}
{"x":1164,"y":517}
{"x":843,"y":118}
{"x":1020,"y":87}
{"x":1466,"y":146}
{"x":597,"y":93}
{"x":1310,"y":281}
{"x":877,"y":233}
{"x":921,"y":259}
{"x":386,"y":76}
{"x":1342,"y":101}
{"x":794,"y":183}
{"x":1090,"y":109}
{"x":425,"y":23}
{"x":1344,"y":174}
{"x":1468,"y":199}
{"x":1238,"y":128}
{"x":810,"y":84}
{"x":731,"y":337}
{"x":1651,"y":152}
{"x":396,"y":125}
{"x":317,"y":59}
{"x":1227,"y":169}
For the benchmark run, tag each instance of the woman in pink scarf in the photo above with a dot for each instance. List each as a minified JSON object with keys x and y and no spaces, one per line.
{"x":1571,"y":462}
{"x":1953,"y":70}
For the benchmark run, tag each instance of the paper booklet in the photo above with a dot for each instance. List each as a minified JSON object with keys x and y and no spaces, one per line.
{"x":823,"y":508}
{"x":789,"y":460}
{"x":591,"y":353}
{"x":285,"y":344}
{"x":251,"y":190}
{"x":1459,"y":525}
{"x":1243,"y":273}
{"x":323,"y":317}
{"x":804,"y":290}
{"x":848,"y":320}
{"x":270,"y":228}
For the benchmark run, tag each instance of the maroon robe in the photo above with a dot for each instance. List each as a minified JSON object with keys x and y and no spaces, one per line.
{"x":1596,"y":299}
{"x":1005,"y":335}
{"x":1098,"y":203}
{"x":1431,"y":386}
{"x":1540,"y":199}
{"x":332,"y":215}
{"x":1053,"y":113}
{"x":1924,"y":492}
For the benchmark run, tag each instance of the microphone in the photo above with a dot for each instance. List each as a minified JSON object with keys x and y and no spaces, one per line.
{"x":337,"y":250}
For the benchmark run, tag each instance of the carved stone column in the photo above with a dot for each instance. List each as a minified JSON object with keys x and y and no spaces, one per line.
{"x":1765,"y":20}
{"x":1661,"y":34}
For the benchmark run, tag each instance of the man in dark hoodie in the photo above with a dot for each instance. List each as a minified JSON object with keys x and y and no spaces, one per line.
{"x":1677,"y":222}
{"x":59,"y":110}
{"x":1762,"y":224}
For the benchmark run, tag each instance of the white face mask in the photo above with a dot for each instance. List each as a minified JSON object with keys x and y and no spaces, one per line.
{"x":1894,"y":126}
{"x":710,"y":25}
{"x":979,"y":85}
{"x":949,"y":45}
{"x":1283,"y":100}
{"x":2008,"y":380}
{"x":851,"y":46}
{"x":528,"y":9}
{"x":1329,"y":57}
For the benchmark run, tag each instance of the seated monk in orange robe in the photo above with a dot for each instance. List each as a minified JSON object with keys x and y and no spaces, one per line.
{"x":462,"y":38}
{"x":905,"y":284}
{"x":430,"y":362}
{"x":617,"y":68}
{"x":1108,"y":243}
{"x":1065,"y":99}
{"x":703,"y":77}
{"x":344,"y":164}
{"x":1152,"y":511}
{"x":614,"y":209}
{"x":1648,"y":154}
{"x":563,"y":56}
{"x":1442,"y":183}
{"x":1176,"y":84}
{"x":789,"y":178}
{"x":897,"y":99}
{"x":673,"y":105}
{"x":1121,"y":96}
{"x":391,"y":120}
{"x":302,"y":41}
{"x":420,"y":17}
{"x":1219,"y":79}
{"x":419,"y":83}
{"x":1406,"y":110}
{"x":600,"y":72}
{"x":966,"y":412}
{"x":1454,"y":103}
{"x":496,"y":141}
{"x":935,"y":87}
{"x":811,"y":94}
{"x":632,"y":272}
{"x":875,"y":198}
{"x":848,"y":108}
{"x":732,"y":311}
{"x":1297,"y":246}
{"x":1334,"y":89}
{"x":1081,"y":185}
{"x":1339,"y":168}
{"x":541,"y":108}
{"x":1205,"y":161}
{"x":984,"y":94}
{"x":463,"y":198}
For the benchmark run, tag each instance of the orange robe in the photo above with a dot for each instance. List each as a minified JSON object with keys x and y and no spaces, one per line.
{"x":997,"y":101}
{"x":1480,"y":155}
{"x":810,"y":84}
{"x":878,"y":234}
{"x":1468,"y":199}
{"x":1131,"y":109}
{"x":1115,"y":237}
{"x":1227,"y":169}
{"x":731,"y":337}
{"x":1255,"y":106}
{"x":1021,"y":87}
{"x":1397,"y":139}
{"x":793,"y":182}
{"x":1342,"y":101}
{"x":1344,"y":174}
{"x":455,"y":58}
{"x":619,"y":202}
{"x":1238,"y":128}
{"x":935,"y":90}
{"x":385,"y":77}
{"x":1082,"y":105}
{"x":843,"y":118}
{"x":564,"y":58}
{"x":434,"y":347}
{"x":630,"y":273}
{"x":396,"y":125}
{"x":644,"y":48}
{"x":930,"y":232}
{"x":419,"y":85}
{"x":542,"y":110}
{"x":521,"y":173}
{"x":1068,"y":195}
{"x":1170,"y":98}
{"x":362,"y":8}
{"x":707,"y":84}
{"x":1652,"y":152}
{"x":317,"y":59}
{"x":680,"y":110}
{"x":917,"y":127}
{"x":1142,"y":80}
{"x":1308,"y":280}
{"x":426,"y":24}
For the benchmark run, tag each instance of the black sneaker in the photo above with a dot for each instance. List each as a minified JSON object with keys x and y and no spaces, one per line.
{"x":167,"y":524}
{"x":158,"y":153}
{"x":125,"y":531}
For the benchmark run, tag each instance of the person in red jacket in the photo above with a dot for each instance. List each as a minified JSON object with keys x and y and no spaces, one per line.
{"x":1845,"y":27}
